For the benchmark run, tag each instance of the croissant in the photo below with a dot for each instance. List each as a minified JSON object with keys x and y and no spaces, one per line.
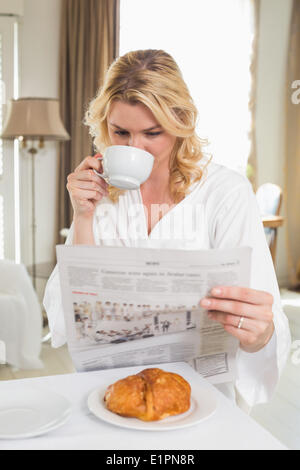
{"x":150,"y":395}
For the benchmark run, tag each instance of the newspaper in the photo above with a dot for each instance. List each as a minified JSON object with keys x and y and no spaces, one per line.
{"x":138,"y":306}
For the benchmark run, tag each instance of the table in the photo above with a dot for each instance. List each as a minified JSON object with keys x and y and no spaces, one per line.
{"x":272,"y":221}
{"x":227,"y":428}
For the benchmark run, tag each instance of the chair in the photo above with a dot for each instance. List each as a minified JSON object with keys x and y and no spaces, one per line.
{"x":20,"y":317}
{"x":269,"y":199}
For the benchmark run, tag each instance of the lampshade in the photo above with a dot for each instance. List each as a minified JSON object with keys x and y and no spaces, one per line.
{"x":34,"y":118}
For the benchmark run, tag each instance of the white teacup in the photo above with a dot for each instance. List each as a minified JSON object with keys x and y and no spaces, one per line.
{"x":125,"y":167}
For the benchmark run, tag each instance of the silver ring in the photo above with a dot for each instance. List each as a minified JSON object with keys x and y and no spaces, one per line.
{"x":241,"y":322}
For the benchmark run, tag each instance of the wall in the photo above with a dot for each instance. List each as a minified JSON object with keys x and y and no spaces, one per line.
{"x":39,"y":49}
{"x":15,"y":7}
{"x":39,"y":70}
{"x":270,"y":124}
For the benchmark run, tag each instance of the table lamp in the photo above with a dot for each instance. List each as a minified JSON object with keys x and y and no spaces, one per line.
{"x":29,"y":120}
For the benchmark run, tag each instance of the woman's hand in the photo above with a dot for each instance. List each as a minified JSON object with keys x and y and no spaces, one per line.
{"x":229,"y":304}
{"x":85,"y":188}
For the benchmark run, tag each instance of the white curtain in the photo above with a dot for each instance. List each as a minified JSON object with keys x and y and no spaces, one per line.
{"x":212,"y":42}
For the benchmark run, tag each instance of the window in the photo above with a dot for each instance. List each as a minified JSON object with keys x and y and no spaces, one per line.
{"x":2,"y":98}
{"x":211,"y":40}
{"x":9,"y":241}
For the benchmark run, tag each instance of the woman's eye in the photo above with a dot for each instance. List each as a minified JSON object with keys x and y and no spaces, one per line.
{"x":121,"y":133}
{"x":153,"y":134}
{"x":148,"y":134}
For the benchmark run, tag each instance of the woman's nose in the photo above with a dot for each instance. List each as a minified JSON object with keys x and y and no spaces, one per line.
{"x":136,"y":141}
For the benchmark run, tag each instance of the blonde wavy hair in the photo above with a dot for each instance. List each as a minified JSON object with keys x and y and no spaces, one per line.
{"x":153,"y":78}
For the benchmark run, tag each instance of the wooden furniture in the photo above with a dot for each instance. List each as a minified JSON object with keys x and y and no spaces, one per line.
{"x":269,"y":198}
{"x":273,"y":222}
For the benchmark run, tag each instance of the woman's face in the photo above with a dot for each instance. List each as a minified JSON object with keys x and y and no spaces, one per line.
{"x":135,"y":125}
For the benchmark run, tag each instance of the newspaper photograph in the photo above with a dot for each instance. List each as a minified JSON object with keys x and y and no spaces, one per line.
{"x":138,"y":306}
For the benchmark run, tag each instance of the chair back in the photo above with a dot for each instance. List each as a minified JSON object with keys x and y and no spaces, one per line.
{"x":14,"y":279}
{"x":269,"y":199}
{"x":20,"y":317}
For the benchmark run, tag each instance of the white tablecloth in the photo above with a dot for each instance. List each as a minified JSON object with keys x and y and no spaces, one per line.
{"x":227,"y":428}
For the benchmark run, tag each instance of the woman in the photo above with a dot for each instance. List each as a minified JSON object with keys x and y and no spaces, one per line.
{"x":145,"y":103}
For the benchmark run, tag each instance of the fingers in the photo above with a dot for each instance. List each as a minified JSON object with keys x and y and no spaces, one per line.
{"x":228,"y":319}
{"x":249,"y":340}
{"x":91,"y":185}
{"x":90,"y":162}
{"x":85,"y":187}
{"x":243,"y":294}
{"x":246,"y":337}
{"x":237,"y":308}
{"x":252,"y":335}
{"x":76,"y":186}
{"x":254,"y":326}
{"x":86,"y":175}
{"x":230,"y":303}
{"x":82,"y":195}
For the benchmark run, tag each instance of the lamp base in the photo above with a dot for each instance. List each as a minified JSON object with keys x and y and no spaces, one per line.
{"x":33,"y":151}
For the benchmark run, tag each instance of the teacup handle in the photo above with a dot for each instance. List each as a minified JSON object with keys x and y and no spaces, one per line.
{"x":102,"y":175}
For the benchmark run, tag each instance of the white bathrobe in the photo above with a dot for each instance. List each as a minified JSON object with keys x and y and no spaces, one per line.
{"x":219,"y":212}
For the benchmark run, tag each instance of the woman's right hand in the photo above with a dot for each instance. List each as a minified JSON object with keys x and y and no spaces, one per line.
{"x":85,"y":188}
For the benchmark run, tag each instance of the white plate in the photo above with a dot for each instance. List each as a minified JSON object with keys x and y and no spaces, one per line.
{"x":203,"y":405}
{"x":29,"y":412}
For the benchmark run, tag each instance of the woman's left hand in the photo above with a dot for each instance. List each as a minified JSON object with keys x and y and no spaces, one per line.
{"x":245,"y":313}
